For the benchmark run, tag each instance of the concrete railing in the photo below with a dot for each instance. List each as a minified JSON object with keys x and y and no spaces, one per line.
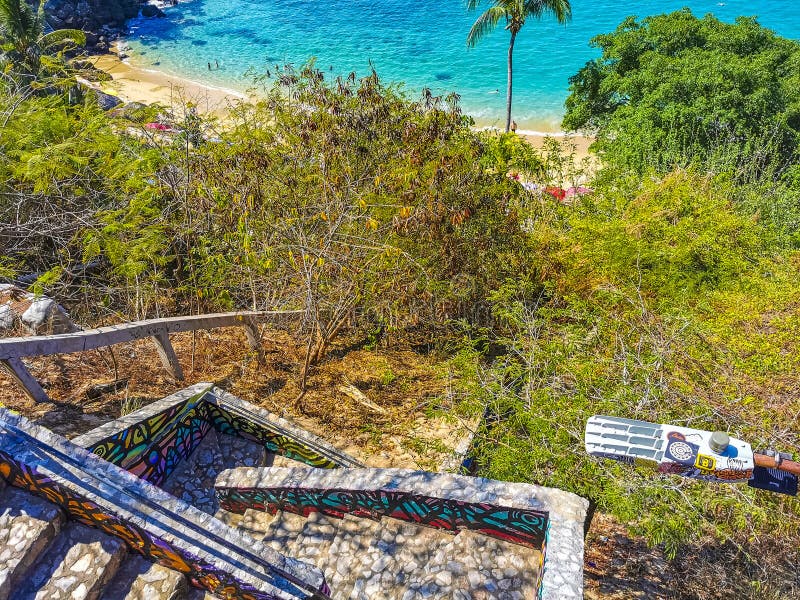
{"x":12,"y":350}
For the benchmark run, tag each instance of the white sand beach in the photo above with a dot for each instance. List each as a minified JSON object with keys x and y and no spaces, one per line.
{"x":134,"y":84}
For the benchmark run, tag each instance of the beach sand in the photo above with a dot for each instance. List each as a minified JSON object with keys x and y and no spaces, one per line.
{"x":580,"y":142}
{"x":135,"y":84}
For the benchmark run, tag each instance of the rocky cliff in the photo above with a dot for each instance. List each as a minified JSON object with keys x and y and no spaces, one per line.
{"x":99,"y":18}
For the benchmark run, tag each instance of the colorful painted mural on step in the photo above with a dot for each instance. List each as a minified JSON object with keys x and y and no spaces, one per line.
{"x":152,"y":448}
{"x":226,"y":422}
{"x":200,"y":573}
{"x":519,"y":526}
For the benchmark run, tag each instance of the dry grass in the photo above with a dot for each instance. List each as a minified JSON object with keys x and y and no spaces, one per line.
{"x":620,"y":567}
{"x":402,"y":382}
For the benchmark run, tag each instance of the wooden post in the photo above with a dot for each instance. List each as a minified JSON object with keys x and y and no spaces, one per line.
{"x":22,"y":376}
{"x":254,"y":337}
{"x":252,"y":333}
{"x":167,"y":354}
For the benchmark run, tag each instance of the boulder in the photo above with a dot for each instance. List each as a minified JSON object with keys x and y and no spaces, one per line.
{"x":105,"y":101}
{"x":92,"y":16}
{"x":39,"y":315}
{"x":148,"y":10}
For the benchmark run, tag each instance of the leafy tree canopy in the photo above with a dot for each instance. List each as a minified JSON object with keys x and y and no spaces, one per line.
{"x":673,"y":89}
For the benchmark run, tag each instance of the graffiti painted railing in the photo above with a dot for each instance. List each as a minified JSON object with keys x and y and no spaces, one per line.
{"x":442,"y":501}
{"x":12,"y":350}
{"x":151,"y":522}
{"x":152,"y":441}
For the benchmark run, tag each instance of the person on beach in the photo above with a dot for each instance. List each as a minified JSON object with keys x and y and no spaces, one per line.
{"x":209,"y":66}
{"x":216,"y":62}
{"x":514,"y":126}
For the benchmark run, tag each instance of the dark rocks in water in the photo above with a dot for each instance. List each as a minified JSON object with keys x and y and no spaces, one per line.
{"x":443,"y":76}
{"x":149,"y":11}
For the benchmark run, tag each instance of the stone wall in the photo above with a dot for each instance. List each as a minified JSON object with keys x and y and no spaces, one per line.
{"x":152,"y":441}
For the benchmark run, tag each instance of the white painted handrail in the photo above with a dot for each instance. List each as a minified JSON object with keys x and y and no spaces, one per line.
{"x":13,"y":349}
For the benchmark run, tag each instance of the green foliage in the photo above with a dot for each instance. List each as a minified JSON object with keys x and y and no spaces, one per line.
{"x":674,"y":90}
{"x":673,"y":239}
{"x":508,"y":152}
{"x":25,"y":50}
{"x":661,"y":303}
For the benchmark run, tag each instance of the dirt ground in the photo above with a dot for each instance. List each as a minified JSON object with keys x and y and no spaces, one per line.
{"x":394,"y":428}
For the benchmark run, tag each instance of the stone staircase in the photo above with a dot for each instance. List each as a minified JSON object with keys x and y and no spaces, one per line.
{"x":45,"y":553}
{"x":388,"y":559}
{"x":362,"y":558}
{"x":45,"y":556}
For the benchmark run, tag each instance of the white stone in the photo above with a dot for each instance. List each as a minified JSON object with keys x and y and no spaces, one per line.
{"x":80,"y":592}
{"x":6,"y":317}
{"x":82,"y":563}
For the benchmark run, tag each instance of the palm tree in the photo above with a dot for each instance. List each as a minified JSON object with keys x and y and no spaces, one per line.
{"x":514,"y":13}
{"x":23,"y":41}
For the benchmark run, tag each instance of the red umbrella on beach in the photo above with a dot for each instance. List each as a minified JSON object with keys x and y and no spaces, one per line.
{"x":556,"y":192}
{"x":158,"y":126}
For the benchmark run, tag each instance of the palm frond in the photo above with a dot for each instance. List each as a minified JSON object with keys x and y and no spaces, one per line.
{"x":485,"y":24}
{"x":63,"y":36}
{"x":560,"y":9}
{"x":18,"y":22}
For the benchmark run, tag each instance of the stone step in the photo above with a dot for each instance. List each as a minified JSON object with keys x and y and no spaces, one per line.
{"x":391,"y":559}
{"x":399,"y":553}
{"x":334,"y":545}
{"x":27,"y":526}
{"x":140,"y":579}
{"x":315,"y":539}
{"x":472,"y":565}
{"x":76,"y":566}
{"x":193,"y":479}
{"x":353,"y":537}
{"x":283,"y":531}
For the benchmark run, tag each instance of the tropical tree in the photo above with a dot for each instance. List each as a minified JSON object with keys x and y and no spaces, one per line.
{"x":514,"y":13}
{"x":675,"y":90}
{"x":23,"y":41}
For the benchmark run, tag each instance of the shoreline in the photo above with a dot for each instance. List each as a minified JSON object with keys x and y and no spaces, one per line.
{"x":139,"y":84}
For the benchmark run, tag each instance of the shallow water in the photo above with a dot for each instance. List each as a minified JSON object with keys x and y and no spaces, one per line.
{"x":420,"y":43}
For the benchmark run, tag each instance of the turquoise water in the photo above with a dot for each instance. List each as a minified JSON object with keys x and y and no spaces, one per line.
{"x":419,"y":43}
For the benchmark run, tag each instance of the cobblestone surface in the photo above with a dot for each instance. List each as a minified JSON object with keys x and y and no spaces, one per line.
{"x":27,"y":525}
{"x":563,"y":564}
{"x":139,"y":579}
{"x":391,"y":560}
{"x":193,"y":479}
{"x":75,"y":567}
